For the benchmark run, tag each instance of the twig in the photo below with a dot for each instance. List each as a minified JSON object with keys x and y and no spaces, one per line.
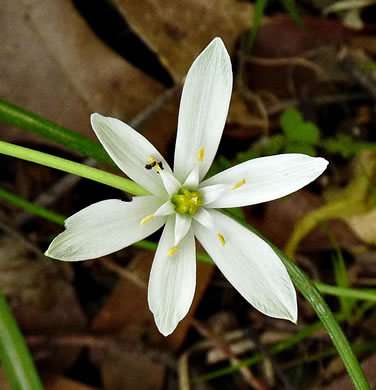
{"x":355,"y":62}
{"x":102,"y":342}
{"x":124,"y":273}
{"x":248,"y":333}
{"x":224,"y":347}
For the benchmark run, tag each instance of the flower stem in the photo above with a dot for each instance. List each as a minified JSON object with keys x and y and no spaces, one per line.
{"x":28,"y":121}
{"x":72,"y":167}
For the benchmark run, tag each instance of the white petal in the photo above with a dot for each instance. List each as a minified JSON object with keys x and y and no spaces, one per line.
{"x":203,"y":109}
{"x":182,"y":225}
{"x":212,"y":193}
{"x":204,"y":218}
{"x":172,"y":280}
{"x":166,"y":209}
{"x":130,"y":151}
{"x":105,"y":227}
{"x":170,"y":183}
{"x":250,"y":265}
{"x":191,"y":182}
{"x":263,"y":179}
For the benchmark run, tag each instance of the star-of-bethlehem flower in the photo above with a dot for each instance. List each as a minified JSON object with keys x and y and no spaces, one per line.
{"x":187,"y":205}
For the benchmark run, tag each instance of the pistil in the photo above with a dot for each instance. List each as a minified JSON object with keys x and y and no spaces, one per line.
{"x":187,"y":202}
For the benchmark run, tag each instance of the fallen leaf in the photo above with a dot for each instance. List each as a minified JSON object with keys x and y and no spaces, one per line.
{"x":42,"y":299}
{"x":179,"y":30}
{"x":62,"y":383}
{"x":53,"y":64}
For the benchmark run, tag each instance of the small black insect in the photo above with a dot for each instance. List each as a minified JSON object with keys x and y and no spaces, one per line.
{"x":150,"y":166}
{"x":153,"y":164}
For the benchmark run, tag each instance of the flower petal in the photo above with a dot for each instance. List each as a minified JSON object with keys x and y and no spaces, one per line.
{"x":131,"y":152}
{"x":105,"y":227}
{"x":204,"y":218}
{"x":170,"y":183}
{"x":172,"y":280}
{"x":182,"y":225}
{"x":262,"y":179}
{"x":250,"y":265}
{"x":203,"y":110}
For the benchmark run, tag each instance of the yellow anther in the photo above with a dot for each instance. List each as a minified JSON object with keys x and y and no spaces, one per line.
{"x":201,"y":154}
{"x":238,"y":184}
{"x":221,"y":238}
{"x":146,"y":219}
{"x":151,"y":160}
{"x":172,"y":251}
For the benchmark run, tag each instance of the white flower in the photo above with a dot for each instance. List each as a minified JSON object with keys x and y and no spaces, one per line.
{"x":186,"y":204}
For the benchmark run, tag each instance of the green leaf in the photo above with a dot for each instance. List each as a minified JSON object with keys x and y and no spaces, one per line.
{"x":290,"y":120}
{"x":309,"y":133}
{"x":296,"y":129}
{"x":301,"y":148}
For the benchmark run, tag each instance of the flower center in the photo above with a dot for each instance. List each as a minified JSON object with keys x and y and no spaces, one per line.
{"x":186,"y":202}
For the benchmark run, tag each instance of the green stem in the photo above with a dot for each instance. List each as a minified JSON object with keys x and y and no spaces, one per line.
{"x":15,"y":357}
{"x":28,"y":121}
{"x":72,"y":167}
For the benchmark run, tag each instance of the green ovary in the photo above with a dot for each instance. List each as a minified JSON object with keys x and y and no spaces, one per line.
{"x":187,"y":202}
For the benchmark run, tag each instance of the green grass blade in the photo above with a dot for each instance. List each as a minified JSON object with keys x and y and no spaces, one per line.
{"x":257,"y":18}
{"x":32,"y":208}
{"x":28,"y":121}
{"x":313,"y":296}
{"x":15,"y":357}
{"x":293,"y":12}
{"x":366,"y":295}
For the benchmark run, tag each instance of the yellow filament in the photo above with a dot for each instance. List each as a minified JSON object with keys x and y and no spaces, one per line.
{"x":172,"y":251}
{"x":201,"y":154}
{"x":221,"y":238}
{"x":238,"y":184}
{"x":146,"y":219}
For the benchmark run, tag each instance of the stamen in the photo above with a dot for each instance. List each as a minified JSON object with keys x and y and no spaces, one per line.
{"x":146,"y":219}
{"x":172,"y":251}
{"x":201,"y":154}
{"x":238,"y":184}
{"x":221,"y":238}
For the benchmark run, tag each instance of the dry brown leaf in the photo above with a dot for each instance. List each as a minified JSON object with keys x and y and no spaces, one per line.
{"x":53,"y":64}
{"x":129,"y":371}
{"x":364,"y":226}
{"x":41,"y":297}
{"x":62,"y":383}
{"x":179,"y":30}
